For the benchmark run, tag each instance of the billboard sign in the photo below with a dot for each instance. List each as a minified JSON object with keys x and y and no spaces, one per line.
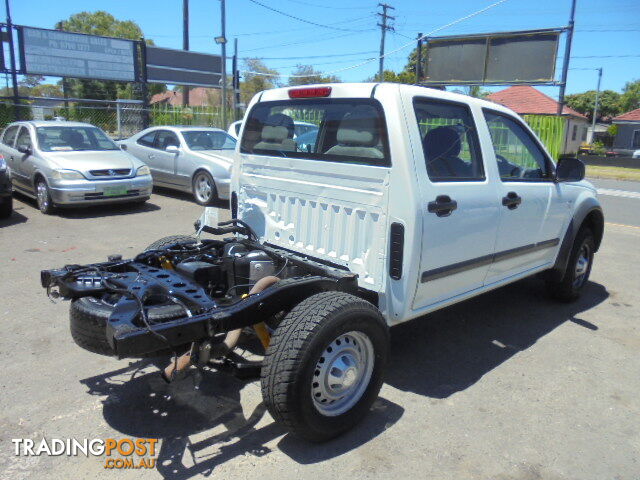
{"x":180,"y":67}
{"x":495,"y":58}
{"x":65,"y":54}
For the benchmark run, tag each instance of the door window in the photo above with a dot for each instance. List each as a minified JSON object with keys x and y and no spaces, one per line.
{"x":449,"y":141}
{"x":519,"y":156}
{"x":164,"y":138}
{"x":24,"y":138}
{"x":10,"y":135}
{"x":636,"y":139}
{"x":147,"y":140}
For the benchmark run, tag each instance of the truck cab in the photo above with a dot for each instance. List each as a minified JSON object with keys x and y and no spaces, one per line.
{"x":430,"y":197}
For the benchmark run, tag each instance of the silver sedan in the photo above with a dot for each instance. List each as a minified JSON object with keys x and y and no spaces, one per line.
{"x":71,"y":164}
{"x":197,"y":160}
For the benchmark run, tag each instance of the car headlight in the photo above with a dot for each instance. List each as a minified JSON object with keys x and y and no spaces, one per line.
{"x":143,"y":170}
{"x":3,"y":164}
{"x":67,"y":175}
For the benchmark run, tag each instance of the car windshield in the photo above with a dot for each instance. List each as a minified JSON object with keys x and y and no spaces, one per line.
{"x":209,"y":140}
{"x":69,"y":139}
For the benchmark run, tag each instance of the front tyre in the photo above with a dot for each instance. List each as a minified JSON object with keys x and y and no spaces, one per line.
{"x":325,"y":365}
{"x":204,"y":188}
{"x":43,"y":197}
{"x":575,"y":277}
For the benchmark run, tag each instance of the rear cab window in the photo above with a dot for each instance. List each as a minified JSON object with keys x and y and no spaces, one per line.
{"x":346,"y":131}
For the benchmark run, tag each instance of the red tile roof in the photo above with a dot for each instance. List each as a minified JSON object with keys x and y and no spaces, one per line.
{"x":524,"y":99}
{"x":632,"y":116}
{"x":198,"y":97}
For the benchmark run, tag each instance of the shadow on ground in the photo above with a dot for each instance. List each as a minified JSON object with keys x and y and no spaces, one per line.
{"x":202,"y":423}
{"x":139,"y":403}
{"x":95,"y":211}
{"x":187,"y":197}
{"x":451,"y":349}
{"x":14,"y":219}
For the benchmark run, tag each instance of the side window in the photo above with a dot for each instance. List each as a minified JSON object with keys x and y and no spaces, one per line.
{"x":164,"y":138}
{"x":449,"y":141}
{"x":10,"y":135}
{"x":636,"y":139}
{"x":518,"y":155}
{"x":574,"y":133}
{"x":147,"y":140}
{"x":24,"y":138}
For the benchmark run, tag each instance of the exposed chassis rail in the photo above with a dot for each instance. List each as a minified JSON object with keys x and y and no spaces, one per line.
{"x":205,"y":317}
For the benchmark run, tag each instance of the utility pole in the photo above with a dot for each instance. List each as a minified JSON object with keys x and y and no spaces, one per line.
{"x":383,"y":30}
{"x":236,"y":80}
{"x":12,"y":57}
{"x":224,"y":64}
{"x":185,"y":44}
{"x":595,"y":106}
{"x":419,"y":59}
{"x":567,"y":57}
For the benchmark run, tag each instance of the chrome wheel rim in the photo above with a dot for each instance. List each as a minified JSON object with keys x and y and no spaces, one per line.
{"x":204,"y":188}
{"x":582,"y":266}
{"x":342,"y":373}
{"x":43,"y":196}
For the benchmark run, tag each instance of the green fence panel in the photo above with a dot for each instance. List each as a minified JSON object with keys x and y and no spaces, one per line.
{"x":550,"y":129}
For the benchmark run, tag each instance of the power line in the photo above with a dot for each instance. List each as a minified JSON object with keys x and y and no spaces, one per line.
{"x":402,"y":47}
{"x":312,"y":56}
{"x":327,"y":6}
{"x":604,"y":56}
{"x":298,"y":18}
{"x":306,"y":41}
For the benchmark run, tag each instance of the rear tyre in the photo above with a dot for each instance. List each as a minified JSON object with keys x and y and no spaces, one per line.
{"x":325,"y":365}
{"x":204,"y":188}
{"x":165,"y":242}
{"x":569,"y":287}
{"x":43,"y":197}
{"x":89,"y":316}
{"x":6,"y":207}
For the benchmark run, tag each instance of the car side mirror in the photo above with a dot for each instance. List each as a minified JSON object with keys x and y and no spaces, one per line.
{"x":123,"y":146}
{"x":570,"y":170}
{"x":24,"y":149}
{"x":172,"y":149}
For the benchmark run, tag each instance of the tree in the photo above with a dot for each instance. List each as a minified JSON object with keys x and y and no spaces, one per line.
{"x":103,"y":23}
{"x":264,"y":78}
{"x":630,"y":98}
{"x":608,"y":103}
{"x":31,"y":81}
{"x":306,"y":74}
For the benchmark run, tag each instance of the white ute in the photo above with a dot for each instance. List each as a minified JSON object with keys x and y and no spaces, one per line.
{"x":429,"y":197}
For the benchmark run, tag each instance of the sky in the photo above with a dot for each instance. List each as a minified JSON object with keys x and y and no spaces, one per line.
{"x":345,"y":31}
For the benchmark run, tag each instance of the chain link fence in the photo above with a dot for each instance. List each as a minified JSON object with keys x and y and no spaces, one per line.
{"x":120,"y":119}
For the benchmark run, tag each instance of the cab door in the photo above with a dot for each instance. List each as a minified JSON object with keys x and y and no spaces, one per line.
{"x":458,"y":202}
{"x":533,"y":209}
{"x":11,"y":155}
{"x":24,"y":164}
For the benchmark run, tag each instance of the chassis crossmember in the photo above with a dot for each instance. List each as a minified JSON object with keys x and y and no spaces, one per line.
{"x":205,"y":317}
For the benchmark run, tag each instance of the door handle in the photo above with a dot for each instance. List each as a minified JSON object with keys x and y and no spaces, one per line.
{"x":151,"y":156}
{"x":512,"y":200}
{"x":442,"y":206}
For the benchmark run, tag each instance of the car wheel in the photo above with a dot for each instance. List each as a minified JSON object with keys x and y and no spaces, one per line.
{"x":325,"y":365}
{"x":204,"y":188}
{"x":6,"y":207}
{"x":165,"y":242}
{"x":578,"y":269}
{"x":89,"y":316}
{"x":43,"y":197}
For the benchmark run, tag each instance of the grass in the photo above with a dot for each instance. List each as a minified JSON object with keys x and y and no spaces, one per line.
{"x":615,"y":173}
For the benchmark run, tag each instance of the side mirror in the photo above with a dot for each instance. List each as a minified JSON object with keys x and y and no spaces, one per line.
{"x":570,"y":170}
{"x":24,"y":149}
{"x":123,"y":146}
{"x":172,"y":149}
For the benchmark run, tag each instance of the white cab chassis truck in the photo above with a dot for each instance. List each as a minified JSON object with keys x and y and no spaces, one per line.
{"x":402,"y":200}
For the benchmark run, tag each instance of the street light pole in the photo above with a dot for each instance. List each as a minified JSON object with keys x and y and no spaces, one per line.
{"x":224,"y":64}
{"x":595,"y":106}
{"x":185,"y":45}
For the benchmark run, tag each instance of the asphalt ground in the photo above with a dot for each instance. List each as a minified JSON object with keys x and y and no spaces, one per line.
{"x":509,"y":385}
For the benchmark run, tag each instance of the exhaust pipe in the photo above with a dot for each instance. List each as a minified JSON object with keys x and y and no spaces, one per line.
{"x":230,"y":341}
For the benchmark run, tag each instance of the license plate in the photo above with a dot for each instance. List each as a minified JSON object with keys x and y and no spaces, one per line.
{"x":115,"y":191}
